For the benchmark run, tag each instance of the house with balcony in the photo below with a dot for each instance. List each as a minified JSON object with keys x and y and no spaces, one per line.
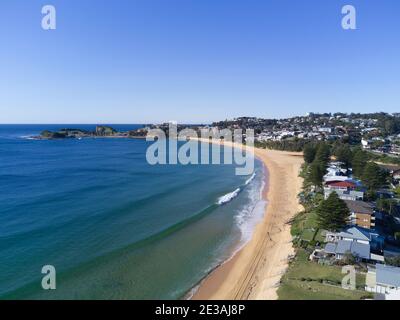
{"x":362,"y":214}
{"x":346,"y":190}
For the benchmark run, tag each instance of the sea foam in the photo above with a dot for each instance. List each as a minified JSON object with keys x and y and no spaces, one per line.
{"x":228,"y":197}
{"x":250,"y":179}
{"x":253,"y":209}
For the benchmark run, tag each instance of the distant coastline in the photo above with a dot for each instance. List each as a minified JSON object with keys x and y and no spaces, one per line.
{"x":101,"y":131}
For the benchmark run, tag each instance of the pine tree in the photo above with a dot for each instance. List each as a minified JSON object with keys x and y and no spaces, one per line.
{"x":318,"y":166}
{"x":316,"y":174}
{"x":332,"y":213}
{"x":359,"y":161}
{"x":343,"y":154}
{"x":309,"y":153}
{"x":323,"y":154}
{"x":373,"y":176}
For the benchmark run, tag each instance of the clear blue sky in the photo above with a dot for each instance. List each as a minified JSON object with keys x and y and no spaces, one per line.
{"x":195,"y":61}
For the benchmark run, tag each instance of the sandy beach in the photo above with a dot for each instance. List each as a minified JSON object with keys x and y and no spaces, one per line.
{"x":255,"y":271}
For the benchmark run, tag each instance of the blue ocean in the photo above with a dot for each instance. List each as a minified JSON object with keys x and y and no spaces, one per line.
{"x":113,"y":226}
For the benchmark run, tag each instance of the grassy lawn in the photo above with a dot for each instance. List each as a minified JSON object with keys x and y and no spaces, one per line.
{"x":320,"y":236}
{"x":311,"y":221}
{"x":304,"y":221}
{"x":309,"y":280}
{"x":297,"y":226}
{"x":301,"y":290}
{"x":306,"y":228}
{"x":307,"y":234}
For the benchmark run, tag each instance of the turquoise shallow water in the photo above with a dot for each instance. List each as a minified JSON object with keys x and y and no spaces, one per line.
{"x":113,"y":226}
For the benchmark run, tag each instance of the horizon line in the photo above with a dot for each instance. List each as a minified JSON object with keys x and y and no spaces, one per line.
{"x":95,"y":123}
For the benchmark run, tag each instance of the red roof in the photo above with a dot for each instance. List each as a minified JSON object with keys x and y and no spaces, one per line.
{"x":341,"y":184}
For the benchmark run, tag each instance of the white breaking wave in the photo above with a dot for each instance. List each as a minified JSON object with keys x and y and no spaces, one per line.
{"x":250,"y":179}
{"x":26,"y":137}
{"x":252,"y":211}
{"x":228,"y":197}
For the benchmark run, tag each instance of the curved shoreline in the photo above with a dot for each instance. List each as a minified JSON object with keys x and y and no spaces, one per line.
{"x":240,"y":245}
{"x":255,"y":270}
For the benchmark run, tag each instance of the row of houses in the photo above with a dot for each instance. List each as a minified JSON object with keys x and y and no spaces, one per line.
{"x":380,"y":145}
{"x":314,"y":133}
{"x":365,"y":246}
{"x":360,"y":239}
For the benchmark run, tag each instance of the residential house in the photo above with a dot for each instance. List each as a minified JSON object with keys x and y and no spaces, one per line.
{"x":383,"y":279}
{"x":346,"y":190}
{"x":345,"y":195}
{"x":358,"y":234}
{"x":364,"y":244}
{"x":335,"y":172}
{"x":366,"y":144}
{"x":361,"y":251}
{"x":341,"y":185}
{"x":325,"y":129}
{"x":361,"y":214}
{"x":331,"y":178}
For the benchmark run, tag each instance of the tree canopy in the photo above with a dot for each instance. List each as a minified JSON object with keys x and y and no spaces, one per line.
{"x":309,"y":152}
{"x":332,"y":213}
{"x":359,"y":161}
{"x":343,"y":154}
{"x":323,"y":154}
{"x":386,"y":205}
{"x":373,"y":177}
{"x":316,"y":174}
